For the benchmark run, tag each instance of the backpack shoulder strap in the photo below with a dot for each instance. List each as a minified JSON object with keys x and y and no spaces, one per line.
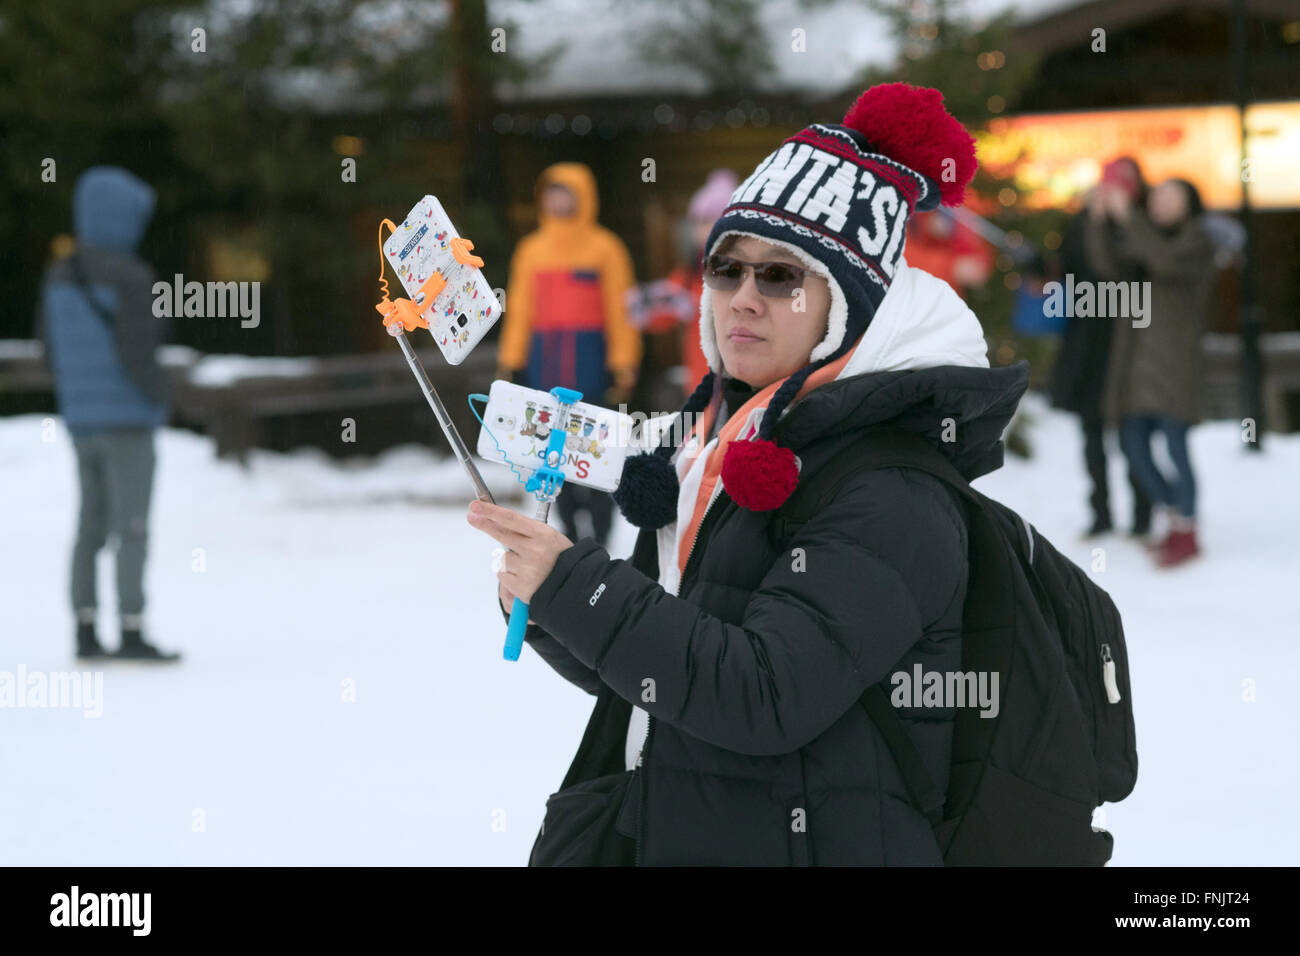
{"x":79,"y":276}
{"x":928,"y":797}
{"x":872,"y":449}
{"x":868,"y":449}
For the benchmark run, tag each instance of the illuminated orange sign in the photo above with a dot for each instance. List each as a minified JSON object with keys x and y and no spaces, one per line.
{"x":1052,"y":157}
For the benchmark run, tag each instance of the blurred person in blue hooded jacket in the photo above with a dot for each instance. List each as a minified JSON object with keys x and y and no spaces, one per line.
{"x":96,"y":321}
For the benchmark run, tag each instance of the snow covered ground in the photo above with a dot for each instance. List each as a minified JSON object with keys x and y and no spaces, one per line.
{"x":343,"y":697}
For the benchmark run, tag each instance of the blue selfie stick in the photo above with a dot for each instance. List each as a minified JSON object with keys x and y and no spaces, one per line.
{"x":545,"y":483}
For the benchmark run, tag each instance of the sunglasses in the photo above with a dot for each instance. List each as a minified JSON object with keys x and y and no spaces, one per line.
{"x":772,"y":279}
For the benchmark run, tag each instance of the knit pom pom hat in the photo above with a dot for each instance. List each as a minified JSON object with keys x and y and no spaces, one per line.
{"x":838,"y":196}
{"x":712,"y":198}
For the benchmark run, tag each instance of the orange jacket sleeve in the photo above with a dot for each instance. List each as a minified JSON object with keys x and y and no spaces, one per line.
{"x":517,"y":323}
{"x":622,"y":338}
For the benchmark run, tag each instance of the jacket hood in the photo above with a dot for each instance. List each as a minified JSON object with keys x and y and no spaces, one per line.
{"x":582,"y":183}
{"x":920,"y":365}
{"x":112,"y":208}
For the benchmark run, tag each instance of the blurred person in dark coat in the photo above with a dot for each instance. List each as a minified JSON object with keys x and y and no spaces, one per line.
{"x":1080,"y":376}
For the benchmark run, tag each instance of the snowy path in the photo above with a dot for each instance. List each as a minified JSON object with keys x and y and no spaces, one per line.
{"x":318,"y":575}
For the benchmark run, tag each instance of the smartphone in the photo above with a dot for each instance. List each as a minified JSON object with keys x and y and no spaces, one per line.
{"x":517,"y":426}
{"x":467,"y":308}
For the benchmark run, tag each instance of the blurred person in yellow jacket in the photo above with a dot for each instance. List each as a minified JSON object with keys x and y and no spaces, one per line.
{"x":565,"y":321}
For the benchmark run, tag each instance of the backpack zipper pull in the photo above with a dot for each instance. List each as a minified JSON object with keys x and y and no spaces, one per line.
{"x":1108,"y":675}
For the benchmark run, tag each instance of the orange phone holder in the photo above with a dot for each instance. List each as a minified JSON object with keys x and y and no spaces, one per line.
{"x":409,"y":312}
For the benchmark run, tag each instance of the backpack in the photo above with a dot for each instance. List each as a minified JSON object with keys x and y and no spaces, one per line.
{"x":1023,"y":784}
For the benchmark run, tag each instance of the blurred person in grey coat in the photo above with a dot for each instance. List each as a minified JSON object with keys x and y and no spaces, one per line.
{"x":1153,"y":383}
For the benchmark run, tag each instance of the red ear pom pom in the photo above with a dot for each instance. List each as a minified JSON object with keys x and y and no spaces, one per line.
{"x":909,"y":124}
{"x":759,"y":475}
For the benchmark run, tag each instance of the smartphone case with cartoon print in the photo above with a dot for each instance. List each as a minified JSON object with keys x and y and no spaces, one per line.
{"x":521,"y":420}
{"x":467,"y":308}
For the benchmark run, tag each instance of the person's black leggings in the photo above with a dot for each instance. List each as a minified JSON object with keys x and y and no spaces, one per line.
{"x":1094,"y":454}
{"x":599,"y":504}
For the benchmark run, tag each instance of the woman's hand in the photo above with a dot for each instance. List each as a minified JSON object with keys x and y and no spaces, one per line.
{"x":531,"y":548}
{"x":507,"y":599}
{"x":620,"y":391}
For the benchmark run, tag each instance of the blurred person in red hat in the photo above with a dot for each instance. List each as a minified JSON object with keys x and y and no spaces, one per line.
{"x":1079,"y":378}
{"x":668,"y":310}
{"x":673,"y":303}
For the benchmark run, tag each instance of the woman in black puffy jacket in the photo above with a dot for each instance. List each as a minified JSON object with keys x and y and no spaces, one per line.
{"x":741,"y":657}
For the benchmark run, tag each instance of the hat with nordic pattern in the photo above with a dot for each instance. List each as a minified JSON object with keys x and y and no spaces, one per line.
{"x":838,"y":196}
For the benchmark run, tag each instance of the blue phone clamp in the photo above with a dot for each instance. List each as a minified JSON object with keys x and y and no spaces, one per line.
{"x":545,"y":483}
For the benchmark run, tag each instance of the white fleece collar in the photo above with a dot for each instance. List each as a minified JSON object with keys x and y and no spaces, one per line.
{"x":837,"y":321}
{"x":921,"y":323}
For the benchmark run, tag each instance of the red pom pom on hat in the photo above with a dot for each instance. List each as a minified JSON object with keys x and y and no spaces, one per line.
{"x":909,"y":125}
{"x":759,"y":475}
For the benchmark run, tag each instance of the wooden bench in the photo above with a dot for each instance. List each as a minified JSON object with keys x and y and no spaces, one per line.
{"x":235,"y":398}
{"x":236,"y":412}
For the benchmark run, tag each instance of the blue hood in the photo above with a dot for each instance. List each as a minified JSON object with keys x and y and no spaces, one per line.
{"x":112,"y":208}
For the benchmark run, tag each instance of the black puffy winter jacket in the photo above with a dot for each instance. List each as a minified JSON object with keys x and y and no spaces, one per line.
{"x":758,"y":750}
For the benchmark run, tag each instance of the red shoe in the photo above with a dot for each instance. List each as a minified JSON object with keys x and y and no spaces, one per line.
{"x":1155,"y":545}
{"x":1179,"y":547}
{"x":1157,"y":534}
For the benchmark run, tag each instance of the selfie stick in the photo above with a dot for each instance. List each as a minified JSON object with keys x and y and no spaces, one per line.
{"x":545,"y":483}
{"x":404,"y":315}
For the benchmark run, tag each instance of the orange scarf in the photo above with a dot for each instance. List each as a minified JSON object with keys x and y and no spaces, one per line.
{"x":730,"y":432}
